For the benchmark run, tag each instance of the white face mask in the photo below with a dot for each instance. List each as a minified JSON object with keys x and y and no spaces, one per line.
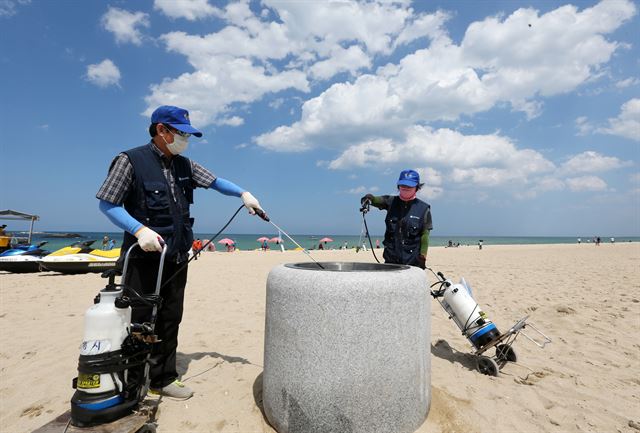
{"x":179,"y":144}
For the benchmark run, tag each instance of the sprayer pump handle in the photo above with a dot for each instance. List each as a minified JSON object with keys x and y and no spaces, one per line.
{"x":111,"y":273}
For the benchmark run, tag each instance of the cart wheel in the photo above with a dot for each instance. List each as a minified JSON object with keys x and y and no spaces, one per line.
{"x":506,"y":352}
{"x":147,"y":428}
{"x":487,"y":366}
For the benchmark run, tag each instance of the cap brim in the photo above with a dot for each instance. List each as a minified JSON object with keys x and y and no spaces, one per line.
{"x":407,"y":183}
{"x":186,"y":128}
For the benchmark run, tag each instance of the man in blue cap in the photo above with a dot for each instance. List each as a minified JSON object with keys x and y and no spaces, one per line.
{"x":148,"y":193}
{"x":408,"y":222}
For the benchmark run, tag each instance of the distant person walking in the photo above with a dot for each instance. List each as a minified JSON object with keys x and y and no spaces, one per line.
{"x":480,"y":244}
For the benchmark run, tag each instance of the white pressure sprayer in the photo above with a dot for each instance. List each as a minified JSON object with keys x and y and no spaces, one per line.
{"x":457,"y":300}
{"x":106,"y":325}
{"x":113,"y":367}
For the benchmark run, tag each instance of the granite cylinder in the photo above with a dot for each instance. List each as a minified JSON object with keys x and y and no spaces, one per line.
{"x":347,"y":348}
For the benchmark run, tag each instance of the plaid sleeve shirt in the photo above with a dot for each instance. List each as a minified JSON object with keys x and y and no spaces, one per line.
{"x":119,"y":181}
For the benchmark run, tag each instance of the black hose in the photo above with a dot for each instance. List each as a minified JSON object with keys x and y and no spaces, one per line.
{"x":149,"y":300}
{"x":467,"y":325}
{"x":195,"y":254}
{"x":366,"y":229}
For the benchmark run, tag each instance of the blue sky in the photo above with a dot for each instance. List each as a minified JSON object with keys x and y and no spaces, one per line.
{"x":523,"y":118}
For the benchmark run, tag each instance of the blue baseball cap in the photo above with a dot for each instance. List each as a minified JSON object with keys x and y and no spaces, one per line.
{"x":409,"y":178}
{"x":175,"y":117}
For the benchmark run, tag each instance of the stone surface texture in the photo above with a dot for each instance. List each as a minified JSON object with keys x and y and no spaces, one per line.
{"x":347,"y":352}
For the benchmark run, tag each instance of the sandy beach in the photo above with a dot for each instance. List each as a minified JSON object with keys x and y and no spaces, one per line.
{"x":586,"y":298}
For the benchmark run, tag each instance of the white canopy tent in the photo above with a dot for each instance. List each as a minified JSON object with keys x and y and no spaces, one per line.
{"x":15,"y":215}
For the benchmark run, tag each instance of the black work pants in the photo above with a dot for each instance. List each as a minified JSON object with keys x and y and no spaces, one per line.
{"x":142,"y":276}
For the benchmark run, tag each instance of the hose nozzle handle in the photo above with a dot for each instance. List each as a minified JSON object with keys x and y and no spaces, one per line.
{"x":261,"y":214}
{"x":365,"y":206}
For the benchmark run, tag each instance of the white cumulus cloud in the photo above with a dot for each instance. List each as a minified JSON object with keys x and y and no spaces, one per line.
{"x":313,"y":40}
{"x":103,"y":74}
{"x":429,"y":176}
{"x":627,"y":124}
{"x":583,"y":126}
{"x":516,"y":59}
{"x":188,"y":9}
{"x":627,"y":82}
{"x":341,"y":60}
{"x":385,"y":112}
{"x":432,"y":180}
{"x":586,"y":183}
{"x":430,"y":192}
{"x":125,"y":25}
{"x":423,"y":146}
{"x":362,"y":190}
{"x":590,"y":162}
{"x":210,"y":92}
{"x":8,"y":8}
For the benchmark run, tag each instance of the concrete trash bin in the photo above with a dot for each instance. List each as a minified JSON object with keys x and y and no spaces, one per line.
{"x":347,"y":348}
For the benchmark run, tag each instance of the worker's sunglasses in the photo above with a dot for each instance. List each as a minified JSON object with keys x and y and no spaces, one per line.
{"x":176,"y":131}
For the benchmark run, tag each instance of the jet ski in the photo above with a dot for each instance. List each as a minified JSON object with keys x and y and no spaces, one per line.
{"x":80,"y":260}
{"x":22,"y":249}
{"x":23,"y":258}
{"x":74,"y":248}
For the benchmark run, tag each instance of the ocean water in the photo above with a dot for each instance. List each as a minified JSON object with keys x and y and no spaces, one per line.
{"x":311,"y":242}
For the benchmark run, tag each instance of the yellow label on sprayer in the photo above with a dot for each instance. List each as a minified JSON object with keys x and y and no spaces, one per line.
{"x":88,"y":381}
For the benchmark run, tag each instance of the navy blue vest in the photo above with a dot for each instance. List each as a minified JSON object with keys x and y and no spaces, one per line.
{"x":150,"y":201}
{"x":405,"y":225}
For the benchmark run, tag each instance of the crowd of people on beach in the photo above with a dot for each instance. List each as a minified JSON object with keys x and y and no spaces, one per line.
{"x":597,"y":240}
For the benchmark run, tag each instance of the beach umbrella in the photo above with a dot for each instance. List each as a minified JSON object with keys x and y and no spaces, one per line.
{"x":275,"y":240}
{"x":262,"y":239}
{"x":326,"y":240}
{"x":226,"y":241}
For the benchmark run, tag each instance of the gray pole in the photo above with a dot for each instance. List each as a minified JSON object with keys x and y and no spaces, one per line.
{"x":31,"y":230}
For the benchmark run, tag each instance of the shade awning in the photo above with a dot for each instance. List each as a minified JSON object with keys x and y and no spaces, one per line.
{"x":15,"y":215}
